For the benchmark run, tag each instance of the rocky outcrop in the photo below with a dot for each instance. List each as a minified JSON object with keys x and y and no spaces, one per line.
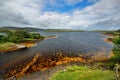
{"x":20,"y":46}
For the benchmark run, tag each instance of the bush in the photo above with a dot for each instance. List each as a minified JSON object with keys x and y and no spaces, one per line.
{"x":116,"y":50}
{"x":23,"y":33}
{"x":19,"y":36}
{"x":36,"y":36}
{"x":15,"y":38}
{"x":116,"y":41}
{"x":3,"y":39}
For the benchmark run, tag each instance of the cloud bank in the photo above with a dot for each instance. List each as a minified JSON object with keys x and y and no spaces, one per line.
{"x":103,"y":14}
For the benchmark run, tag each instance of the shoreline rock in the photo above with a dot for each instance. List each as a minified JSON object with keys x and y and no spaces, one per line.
{"x":20,"y":46}
{"x":109,"y":40}
{"x":28,"y":44}
{"x":52,"y":36}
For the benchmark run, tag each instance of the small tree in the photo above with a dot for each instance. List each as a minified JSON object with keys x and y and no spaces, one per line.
{"x":116,"y":51}
{"x":1,"y":38}
{"x":116,"y":48}
{"x":36,"y":36}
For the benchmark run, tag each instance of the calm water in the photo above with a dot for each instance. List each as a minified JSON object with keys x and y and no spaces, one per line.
{"x":67,"y":42}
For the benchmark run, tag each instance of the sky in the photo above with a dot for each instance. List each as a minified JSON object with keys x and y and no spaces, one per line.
{"x":61,"y":14}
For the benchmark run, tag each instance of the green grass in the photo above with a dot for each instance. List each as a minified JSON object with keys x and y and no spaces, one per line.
{"x":28,"y":39}
{"x":4,"y":46}
{"x":83,"y":73}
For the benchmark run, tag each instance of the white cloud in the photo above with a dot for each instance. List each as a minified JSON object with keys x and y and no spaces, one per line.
{"x":72,"y":2}
{"x":104,"y":14}
{"x":93,"y":1}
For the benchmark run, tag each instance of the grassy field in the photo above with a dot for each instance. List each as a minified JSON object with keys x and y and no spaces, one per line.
{"x":83,"y":73}
{"x":5,"y":46}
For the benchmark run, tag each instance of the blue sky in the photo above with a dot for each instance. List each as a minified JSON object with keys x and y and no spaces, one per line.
{"x":61,"y":14}
{"x":62,"y":6}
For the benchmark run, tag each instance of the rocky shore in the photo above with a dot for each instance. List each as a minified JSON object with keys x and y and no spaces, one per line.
{"x":109,"y":40}
{"x":44,"y":63}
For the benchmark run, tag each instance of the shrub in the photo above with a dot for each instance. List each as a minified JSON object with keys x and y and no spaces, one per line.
{"x":19,"y":36}
{"x":116,"y":50}
{"x":36,"y":36}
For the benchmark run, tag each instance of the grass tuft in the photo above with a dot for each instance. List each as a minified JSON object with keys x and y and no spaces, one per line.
{"x":83,"y":73}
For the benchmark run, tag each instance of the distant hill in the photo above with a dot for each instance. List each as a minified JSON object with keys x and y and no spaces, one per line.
{"x":62,"y":30}
{"x":38,"y":29}
{"x":18,"y":28}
